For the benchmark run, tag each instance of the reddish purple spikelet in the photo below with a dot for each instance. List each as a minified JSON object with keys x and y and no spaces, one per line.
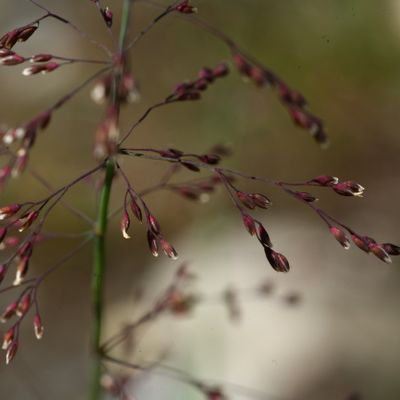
{"x":22,"y":34}
{"x":340,"y":236}
{"x":305,"y":196}
{"x":246,"y":199}
{"x":137,"y":212}
{"x":11,"y":352}
{"x":107,"y":16}
{"x":185,"y":8}
{"x":152,"y":241}
{"x":40,"y":68}
{"x":220,"y":70}
{"x":9,"y":211}
{"x":360,"y":242}
{"x":391,"y":249}
{"x":261,"y":200}
{"x":277,"y":261}
{"x":249,"y":223}
{"x":9,"y":312}
{"x":22,"y":270}
{"x":263,"y":236}
{"x":168,"y":250}
{"x":348,"y":188}
{"x":38,"y":326}
{"x":12,"y":59}
{"x":154,"y":225}
{"x":8,"y":338}
{"x":378,"y":251}
{"x":41,"y":58}
{"x":125,"y":223}
{"x":325,"y":180}
{"x":23,"y":305}
{"x":27,"y":220}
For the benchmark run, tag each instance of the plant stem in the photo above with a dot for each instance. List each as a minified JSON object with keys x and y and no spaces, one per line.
{"x":99,"y":264}
{"x":98,"y":277}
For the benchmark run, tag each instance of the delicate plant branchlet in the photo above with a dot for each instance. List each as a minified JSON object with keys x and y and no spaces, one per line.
{"x":115,"y":86}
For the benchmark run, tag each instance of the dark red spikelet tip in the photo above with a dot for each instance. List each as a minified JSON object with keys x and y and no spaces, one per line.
{"x":277,"y":261}
{"x":391,"y":249}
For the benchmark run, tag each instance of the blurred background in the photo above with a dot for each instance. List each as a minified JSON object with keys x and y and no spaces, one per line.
{"x":343,"y":336}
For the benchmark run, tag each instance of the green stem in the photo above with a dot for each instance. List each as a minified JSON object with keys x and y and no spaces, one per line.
{"x":98,"y":277}
{"x":99,"y":264}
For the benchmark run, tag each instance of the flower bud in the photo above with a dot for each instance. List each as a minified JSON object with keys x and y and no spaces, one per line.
{"x":378,"y":251}
{"x":9,"y":312}
{"x":260,"y":200}
{"x":11,"y":352}
{"x":41,"y":58}
{"x":13,"y":59}
{"x":185,"y":8}
{"x":305,"y":196}
{"x":137,"y":212}
{"x":152,"y":241}
{"x":107,"y":16}
{"x":8,"y":338}
{"x":155,"y":226}
{"x":24,"y":305}
{"x":246,"y":199}
{"x":40,"y":68}
{"x":263,"y":236}
{"x":168,"y":250}
{"x":360,"y":242}
{"x":340,"y":236}
{"x":277,"y":261}
{"x":249,"y":223}
{"x":8,"y":211}
{"x":38,"y":326}
{"x":348,"y":188}
{"x":391,"y":249}
{"x":125,"y":222}
{"x":22,"y":270}
{"x":325,"y":180}
{"x":27,"y":220}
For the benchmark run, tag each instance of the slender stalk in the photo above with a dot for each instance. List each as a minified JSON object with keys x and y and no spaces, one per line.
{"x":98,"y":277}
{"x":99,"y":265}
